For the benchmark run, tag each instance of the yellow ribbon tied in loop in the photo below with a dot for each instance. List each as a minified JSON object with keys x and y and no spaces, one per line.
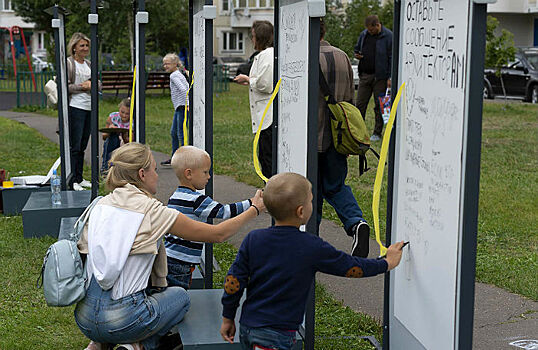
{"x":257,"y":137}
{"x":381,"y":169}
{"x":132,"y":107}
{"x":185,"y":131}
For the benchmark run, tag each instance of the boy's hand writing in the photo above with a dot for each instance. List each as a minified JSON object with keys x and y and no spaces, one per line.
{"x":227,"y":330}
{"x":394,"y":254}
{"x":257,"y":200}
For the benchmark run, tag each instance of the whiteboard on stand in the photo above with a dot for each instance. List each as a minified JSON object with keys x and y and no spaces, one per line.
{"x":293,"y":95}
{"x":198,"y":67}
{"x":428,"y":172}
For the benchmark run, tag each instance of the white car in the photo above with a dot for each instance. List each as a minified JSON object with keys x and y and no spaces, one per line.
{"x":355,"y":67}
{"x":40,"y":63}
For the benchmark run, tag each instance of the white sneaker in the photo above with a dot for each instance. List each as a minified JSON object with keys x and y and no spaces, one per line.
{"x":375,"y":137}
{"x":77,"y":187}
{"x":86,"y":183}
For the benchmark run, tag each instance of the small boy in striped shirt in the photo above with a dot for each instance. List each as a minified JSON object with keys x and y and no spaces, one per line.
{"x":191,"y":166}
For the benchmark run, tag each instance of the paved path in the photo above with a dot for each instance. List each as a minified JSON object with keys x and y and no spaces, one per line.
{"x":500,"y":317}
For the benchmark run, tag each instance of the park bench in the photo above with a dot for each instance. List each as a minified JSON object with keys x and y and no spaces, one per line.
{"x":123,"y":80}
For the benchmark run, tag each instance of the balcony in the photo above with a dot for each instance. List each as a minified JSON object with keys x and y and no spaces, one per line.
{"x":245,"y":12}
{"x":514,"y":6}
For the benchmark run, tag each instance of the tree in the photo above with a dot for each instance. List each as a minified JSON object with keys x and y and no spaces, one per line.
{"x":167,"y":29}
{"x":499,"y":48}
{"x":344,"y":26}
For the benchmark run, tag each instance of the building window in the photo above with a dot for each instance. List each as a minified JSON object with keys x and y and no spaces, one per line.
{"x":253,"y":3}
{"x":225,"y":5}
{"x":232,"y":42}
{"x":41,"y":41}
{"x":6,"y":6}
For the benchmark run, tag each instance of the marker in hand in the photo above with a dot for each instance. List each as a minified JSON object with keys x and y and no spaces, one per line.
{"x":384,"y":256}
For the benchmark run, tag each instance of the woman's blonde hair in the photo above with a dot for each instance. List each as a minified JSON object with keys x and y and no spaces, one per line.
{"x":173,"y":58}
{"x":74,"y":40}
{"x":125,"y":163}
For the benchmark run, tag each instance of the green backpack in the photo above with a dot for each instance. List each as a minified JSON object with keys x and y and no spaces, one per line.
{"x":349,"y":132}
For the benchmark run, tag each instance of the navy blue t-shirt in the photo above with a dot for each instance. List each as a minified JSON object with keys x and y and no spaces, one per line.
{"x":277,"y":266}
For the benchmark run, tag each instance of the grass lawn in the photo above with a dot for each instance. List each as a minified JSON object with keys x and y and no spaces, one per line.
{"x":23,"y":309}
{"x":507,"y":229}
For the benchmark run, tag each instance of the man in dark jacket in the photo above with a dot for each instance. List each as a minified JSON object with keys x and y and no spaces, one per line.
{"x":374,"y":50}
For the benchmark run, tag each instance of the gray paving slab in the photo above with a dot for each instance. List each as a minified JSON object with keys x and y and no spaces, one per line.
{"x":501,"y":317}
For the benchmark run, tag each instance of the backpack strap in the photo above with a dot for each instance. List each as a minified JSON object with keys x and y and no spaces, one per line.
{"x":363,"y":162}
{"x":329,"y":95}
{"x":81,"y":222}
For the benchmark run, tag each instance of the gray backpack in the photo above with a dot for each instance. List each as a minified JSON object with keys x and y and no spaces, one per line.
{"x":63,"y":275}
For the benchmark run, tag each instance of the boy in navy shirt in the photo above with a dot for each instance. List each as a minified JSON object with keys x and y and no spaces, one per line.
{"x":278,"y":264}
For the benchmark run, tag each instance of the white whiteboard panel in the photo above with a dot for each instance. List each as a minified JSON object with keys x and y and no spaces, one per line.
{"x":428,"y":168}
{"x":198,"y":67}
{"x":293,"y":95}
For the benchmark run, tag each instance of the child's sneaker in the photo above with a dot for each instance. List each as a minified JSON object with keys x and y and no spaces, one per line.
{"x":361,"y":236}
{"x":167,"y":162}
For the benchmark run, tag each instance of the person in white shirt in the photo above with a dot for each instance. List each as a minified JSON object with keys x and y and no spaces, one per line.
{"x":124,"y":248}
{"x":79,"y":85}
{"x":179,"y":86}
{"x":260,"y":81}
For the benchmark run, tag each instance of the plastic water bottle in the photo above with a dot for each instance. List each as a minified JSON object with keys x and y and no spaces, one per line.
{"x":55,"y":182}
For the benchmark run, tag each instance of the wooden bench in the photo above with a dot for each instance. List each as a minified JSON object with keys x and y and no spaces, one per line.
{"x":123,"y":80}
{"x":201,"y":325}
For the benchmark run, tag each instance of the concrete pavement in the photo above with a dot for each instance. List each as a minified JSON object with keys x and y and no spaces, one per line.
{"x":501,"y":317}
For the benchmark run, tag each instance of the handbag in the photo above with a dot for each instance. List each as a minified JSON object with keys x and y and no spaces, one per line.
{"x":51,"y":90}
{"x":63,"y":275}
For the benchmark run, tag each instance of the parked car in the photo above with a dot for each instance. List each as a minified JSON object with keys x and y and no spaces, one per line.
{"x":230,"y":62}
{"x":520,"y":77}
{"x":355,"y":67}
{"x":40,"y":63}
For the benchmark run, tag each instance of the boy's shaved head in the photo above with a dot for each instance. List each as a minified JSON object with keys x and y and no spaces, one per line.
{"x":285,"y":192}
{"x":188,"y":157}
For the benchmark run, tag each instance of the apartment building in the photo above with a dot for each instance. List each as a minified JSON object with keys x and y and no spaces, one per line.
{"x":231,"y":28}
{"x":35,"y":40}
{"x":519,"y":17}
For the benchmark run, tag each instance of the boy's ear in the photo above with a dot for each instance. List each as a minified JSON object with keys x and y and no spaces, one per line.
{"x":300,"y":211}
{"x":187,"y":173}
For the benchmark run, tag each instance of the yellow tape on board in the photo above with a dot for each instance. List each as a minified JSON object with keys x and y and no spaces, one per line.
{"x":185,"y":131}
{"x":381,"y":169}
{"x":257,"y":137}
{"x":132,"y":107}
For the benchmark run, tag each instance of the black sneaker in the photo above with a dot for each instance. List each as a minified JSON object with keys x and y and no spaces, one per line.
{"x":167,"y":162}
{"x":361,"y":236}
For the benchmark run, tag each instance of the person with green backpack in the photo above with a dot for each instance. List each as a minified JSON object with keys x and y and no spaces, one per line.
{"x":332,"y":165}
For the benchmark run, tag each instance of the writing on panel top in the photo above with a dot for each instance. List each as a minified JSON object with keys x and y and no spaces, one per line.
{"x":430,"y":42}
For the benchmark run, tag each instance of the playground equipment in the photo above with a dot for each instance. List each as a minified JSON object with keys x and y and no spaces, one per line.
{"x":16,"y":30}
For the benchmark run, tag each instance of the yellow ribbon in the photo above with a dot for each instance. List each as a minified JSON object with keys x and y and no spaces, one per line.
{"x":257,"y":137}
{"x":185,"y":131}
{"x":381,"y":168}
{"x":132,"y":107}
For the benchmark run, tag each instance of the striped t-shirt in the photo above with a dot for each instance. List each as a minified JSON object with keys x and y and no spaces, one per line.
{"x":198,"y":207}
{"x":178,"y":89}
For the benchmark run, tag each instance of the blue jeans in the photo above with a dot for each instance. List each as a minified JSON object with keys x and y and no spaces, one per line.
{"x":134,"y":318}
{"x":266,"y":337}
{"x":110,"y":144}
{"x":177,"y":128}
{"x":179,"y":273}
{"x":79,"y":135}
{"x":332,"y":173}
